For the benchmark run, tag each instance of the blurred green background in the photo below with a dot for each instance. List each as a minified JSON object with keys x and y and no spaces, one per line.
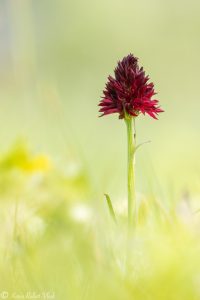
{"x":55,"y":58}
{"x":56,"y":233}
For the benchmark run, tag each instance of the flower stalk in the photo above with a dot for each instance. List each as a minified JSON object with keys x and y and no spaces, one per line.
{"x":131,"y":172}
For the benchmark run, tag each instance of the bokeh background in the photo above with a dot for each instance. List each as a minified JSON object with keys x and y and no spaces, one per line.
{"x":55,"y":57}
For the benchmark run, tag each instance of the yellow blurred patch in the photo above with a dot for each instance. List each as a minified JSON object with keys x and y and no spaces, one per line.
{"x":20,"y":157}
{"x":38,"y":163}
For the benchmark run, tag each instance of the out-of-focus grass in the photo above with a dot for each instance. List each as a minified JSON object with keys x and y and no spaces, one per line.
{"x":56,"y":234}
{"x":56,"y":238}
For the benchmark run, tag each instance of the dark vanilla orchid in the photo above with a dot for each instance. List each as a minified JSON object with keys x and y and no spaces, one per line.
{"x":128,"y":92}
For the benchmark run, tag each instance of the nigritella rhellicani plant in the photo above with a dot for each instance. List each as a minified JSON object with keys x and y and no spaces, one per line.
{"x":129,"y":93}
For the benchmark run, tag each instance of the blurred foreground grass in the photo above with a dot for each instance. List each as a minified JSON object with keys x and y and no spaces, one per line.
{"x":56,"y":234}
{"x":56,"y":238}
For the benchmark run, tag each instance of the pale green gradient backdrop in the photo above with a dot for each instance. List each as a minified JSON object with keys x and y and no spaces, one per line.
{"x":55,"y":57}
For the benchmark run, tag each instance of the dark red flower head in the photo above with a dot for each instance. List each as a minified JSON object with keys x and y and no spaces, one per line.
{"x":128,"y":92}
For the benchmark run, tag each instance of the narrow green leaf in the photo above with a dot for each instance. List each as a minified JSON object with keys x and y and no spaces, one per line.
{"x":138,"y":146}
{"x":110,"y":207}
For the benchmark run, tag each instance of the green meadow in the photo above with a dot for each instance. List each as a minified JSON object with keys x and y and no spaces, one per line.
{"x":58,"y":159}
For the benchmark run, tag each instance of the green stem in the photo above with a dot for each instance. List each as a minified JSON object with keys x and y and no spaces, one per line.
{"x":131,"y":172}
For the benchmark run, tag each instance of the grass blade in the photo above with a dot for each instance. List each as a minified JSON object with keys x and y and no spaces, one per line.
{"x":110,"y":207}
